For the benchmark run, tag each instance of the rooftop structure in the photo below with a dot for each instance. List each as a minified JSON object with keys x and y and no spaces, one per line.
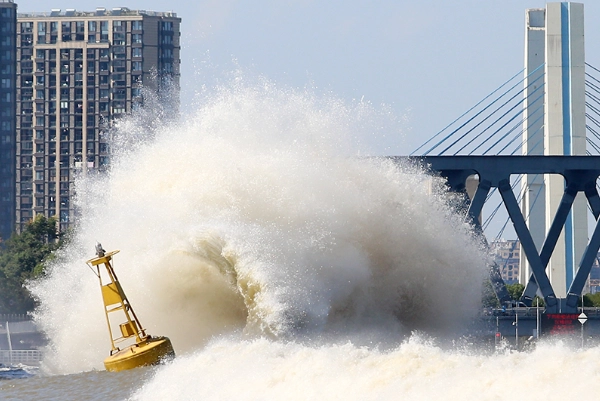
{"x":100,"y":12}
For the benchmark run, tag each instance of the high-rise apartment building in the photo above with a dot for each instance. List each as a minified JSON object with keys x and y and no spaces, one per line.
{"x":76,"y":72}
{"x":8,"y":115}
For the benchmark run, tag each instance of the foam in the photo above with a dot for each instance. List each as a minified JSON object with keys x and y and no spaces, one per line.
{"x":259,"y":215}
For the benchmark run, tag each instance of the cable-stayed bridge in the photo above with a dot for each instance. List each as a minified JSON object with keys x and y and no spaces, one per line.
{"x":535,"y":140}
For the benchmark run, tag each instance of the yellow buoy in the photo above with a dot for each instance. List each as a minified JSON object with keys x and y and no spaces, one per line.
{"x":146,"y":350}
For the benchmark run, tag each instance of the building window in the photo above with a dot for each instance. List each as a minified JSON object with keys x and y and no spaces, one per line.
{"x":27,"y":148}
{"x":66,"y":31}
{"x":26,"y":81}
{"x":136,"y":25}
{"x":104,"y":31}
{"x":41,"y":32}
{"x":5,"y":55}
{"x":26,"y":27}
{"x":136,"y":38}
{"x":119,"y":38}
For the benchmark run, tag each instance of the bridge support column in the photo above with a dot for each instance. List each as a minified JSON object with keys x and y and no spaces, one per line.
{"x":534,"y":190}
{"x":561,"y":25}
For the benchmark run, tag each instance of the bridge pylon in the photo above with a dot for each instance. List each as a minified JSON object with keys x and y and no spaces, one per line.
{"x":554,"y":39}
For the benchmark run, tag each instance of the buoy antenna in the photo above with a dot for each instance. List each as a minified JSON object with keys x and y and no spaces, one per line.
{"x":99,"y":250}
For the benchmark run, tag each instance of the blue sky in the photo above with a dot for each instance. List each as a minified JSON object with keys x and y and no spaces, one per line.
{"x":428,"y":60}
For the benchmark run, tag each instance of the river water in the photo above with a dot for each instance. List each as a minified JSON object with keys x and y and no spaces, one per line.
{"x":281,"y":263}
{"x":262,"y":369}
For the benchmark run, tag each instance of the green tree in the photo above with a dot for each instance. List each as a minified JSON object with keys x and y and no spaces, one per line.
{"x":515,"y":291}
{"x":592,"y":300}
{"x":488,"y":298}
{"x":538,"y":301}
{"x":22,"y":258}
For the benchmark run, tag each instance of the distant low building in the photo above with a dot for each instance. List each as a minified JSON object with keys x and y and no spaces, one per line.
{"x":507,"y":254}
{"x":594,"y":281}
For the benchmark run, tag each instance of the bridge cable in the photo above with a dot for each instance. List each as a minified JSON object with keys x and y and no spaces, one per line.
{"x":498,"y":130}
{"x":592,"y":85}
{"x":465,"y":113}
{"x":514,"y":128}
{"x":524,"y":141}
{"x":593,"y":131}
{"x":485,"y":119}
{"x":592,"y":107}
{"x":489,"y":126}
{"x":481,"y":111}
{"x":520,"y":134}
{"x":594,"y":68}
{"x":590,"y":94}
{"x":592,"y":77}
{"x":596,"y":147}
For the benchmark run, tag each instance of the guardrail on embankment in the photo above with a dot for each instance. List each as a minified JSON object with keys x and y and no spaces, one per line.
{"x":15,"y":357}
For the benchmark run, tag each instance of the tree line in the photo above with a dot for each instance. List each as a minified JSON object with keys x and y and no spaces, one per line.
{"x":22,"y":258}
{"x":516,"y":290}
